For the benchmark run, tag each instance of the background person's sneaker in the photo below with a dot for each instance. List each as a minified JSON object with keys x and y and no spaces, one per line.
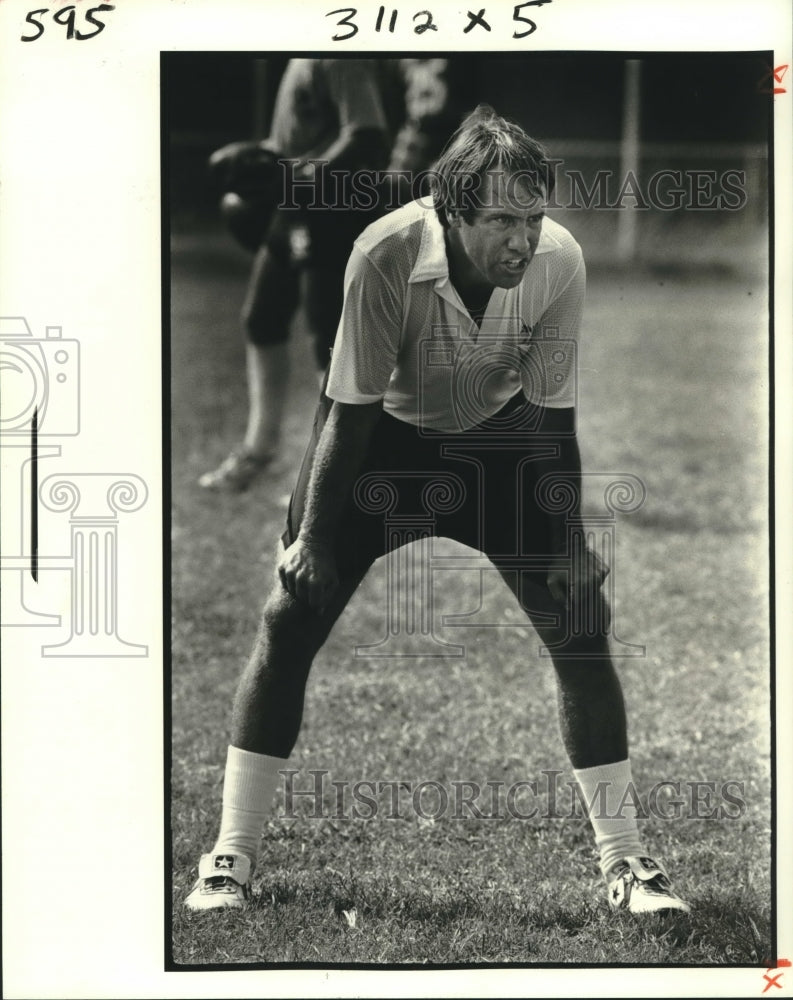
{"x":640,"y":885}
{"x":237,"y":472}
{"x":224,"y":880}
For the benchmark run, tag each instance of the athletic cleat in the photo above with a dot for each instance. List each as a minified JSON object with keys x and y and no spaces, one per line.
{"x":237,"y":472}
{"x":224,"y":880}
{"x":640,"y":885}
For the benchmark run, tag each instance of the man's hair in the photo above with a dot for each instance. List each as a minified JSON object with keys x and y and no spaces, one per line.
{"x":485,"y":143}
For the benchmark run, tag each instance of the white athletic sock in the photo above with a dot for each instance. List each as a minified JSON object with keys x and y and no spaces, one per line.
{"x":609,"y":791}
{"x":248,"y":789}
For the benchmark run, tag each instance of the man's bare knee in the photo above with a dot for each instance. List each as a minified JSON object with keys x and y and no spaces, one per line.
{"x":289,"y":624}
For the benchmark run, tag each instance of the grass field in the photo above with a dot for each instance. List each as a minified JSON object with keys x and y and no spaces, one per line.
{"x":674,"y":391}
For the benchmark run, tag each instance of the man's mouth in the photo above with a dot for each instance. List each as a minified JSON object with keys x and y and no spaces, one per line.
{"x":515,"y":264}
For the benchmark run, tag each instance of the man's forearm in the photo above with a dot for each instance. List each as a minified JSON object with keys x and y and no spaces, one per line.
{"x":337,"y":464}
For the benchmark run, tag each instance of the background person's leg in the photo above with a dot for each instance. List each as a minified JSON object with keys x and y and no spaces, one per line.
{"x":270,"y":303}
{"x":323,"y":299}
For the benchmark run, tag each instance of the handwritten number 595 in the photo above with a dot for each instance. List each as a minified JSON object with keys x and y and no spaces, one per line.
{"x":66,"y":17}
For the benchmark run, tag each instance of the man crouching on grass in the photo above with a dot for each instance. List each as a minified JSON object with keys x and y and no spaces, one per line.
{"x":494,"y":288}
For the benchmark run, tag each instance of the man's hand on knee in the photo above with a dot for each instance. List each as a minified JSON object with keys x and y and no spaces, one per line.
{"x":307,"y":570}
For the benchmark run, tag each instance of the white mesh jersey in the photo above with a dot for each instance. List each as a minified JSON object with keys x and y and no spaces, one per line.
{"x":405,"y":336}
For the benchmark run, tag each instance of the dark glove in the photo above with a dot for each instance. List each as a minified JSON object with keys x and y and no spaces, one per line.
{"x":248,"y":169}
{"x":248,"y":177}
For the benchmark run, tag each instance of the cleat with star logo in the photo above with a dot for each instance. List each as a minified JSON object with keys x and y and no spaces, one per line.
{"x":224,"y":880}
{"x":641,"y":885}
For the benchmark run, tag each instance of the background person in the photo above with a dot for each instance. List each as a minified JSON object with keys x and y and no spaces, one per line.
{"x":335,"y":115}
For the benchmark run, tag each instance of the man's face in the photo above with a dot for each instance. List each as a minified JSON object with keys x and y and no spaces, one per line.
{"x":495,"y":245}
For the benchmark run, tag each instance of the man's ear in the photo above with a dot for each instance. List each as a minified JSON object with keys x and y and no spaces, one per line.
{"x":453,"y":218}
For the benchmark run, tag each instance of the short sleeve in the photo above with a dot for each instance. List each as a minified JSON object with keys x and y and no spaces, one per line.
{"x":354,"y":90}
{"x":549,"y":369}
{"x":368,"y":338}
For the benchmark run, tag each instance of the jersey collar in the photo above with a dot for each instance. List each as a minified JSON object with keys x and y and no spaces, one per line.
{"x":431,"y":262}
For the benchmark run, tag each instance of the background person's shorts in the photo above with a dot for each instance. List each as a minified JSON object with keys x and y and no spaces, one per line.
{"x":278,"y":282}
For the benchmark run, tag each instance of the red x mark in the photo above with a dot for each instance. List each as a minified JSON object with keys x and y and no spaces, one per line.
{"x":764,"y":85}
{"x":772,"y":981}
{"x":781,"y":963}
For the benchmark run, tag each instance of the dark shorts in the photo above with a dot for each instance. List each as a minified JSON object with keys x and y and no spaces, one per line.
{"x":278,"y":282}
{"x":477,"y":487}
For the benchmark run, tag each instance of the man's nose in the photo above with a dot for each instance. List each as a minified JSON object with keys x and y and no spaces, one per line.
{"x":519,"y":238}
